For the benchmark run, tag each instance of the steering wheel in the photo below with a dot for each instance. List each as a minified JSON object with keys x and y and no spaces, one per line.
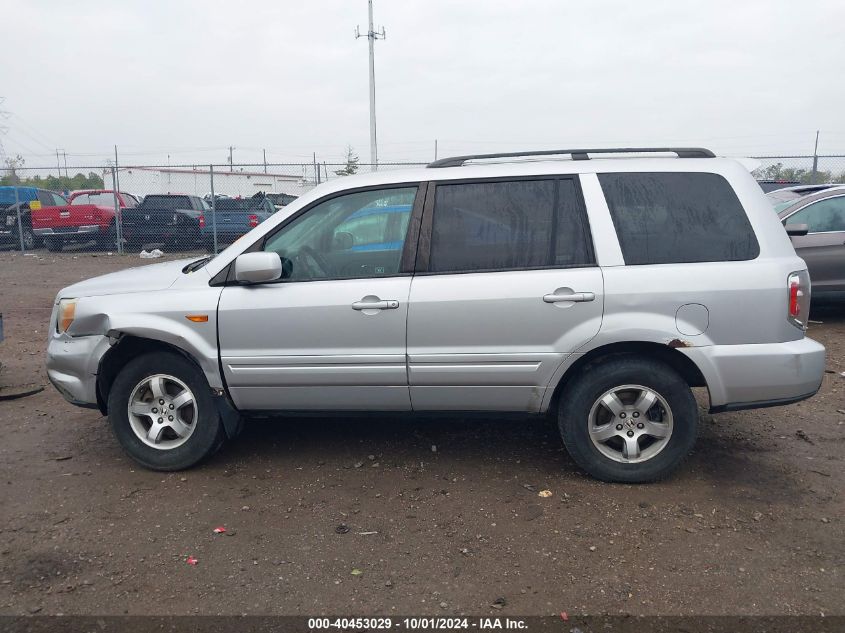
{"x":313,"y":261}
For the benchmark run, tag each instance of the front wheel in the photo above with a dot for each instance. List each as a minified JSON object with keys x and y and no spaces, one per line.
{"x":28,"y":238}
{"x":628,"y":419}
{"x":162,"y":412}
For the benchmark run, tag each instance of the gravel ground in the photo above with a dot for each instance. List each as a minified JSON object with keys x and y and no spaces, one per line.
{"x":407,"y":515}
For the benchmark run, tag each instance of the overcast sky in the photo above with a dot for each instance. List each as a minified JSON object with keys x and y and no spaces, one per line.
{"x":189,"y":78}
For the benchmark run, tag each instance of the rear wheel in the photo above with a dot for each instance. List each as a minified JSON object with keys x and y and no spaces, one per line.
{"x":628,"y":419}
{"x":53,"y":244}
{"x":162,"y":412}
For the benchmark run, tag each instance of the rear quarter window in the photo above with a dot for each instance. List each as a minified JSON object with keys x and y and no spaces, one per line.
{"x":669,"y":218}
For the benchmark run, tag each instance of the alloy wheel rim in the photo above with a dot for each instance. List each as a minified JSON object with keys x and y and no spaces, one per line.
{"x":162,"y":411}
{"x":630,"y":424}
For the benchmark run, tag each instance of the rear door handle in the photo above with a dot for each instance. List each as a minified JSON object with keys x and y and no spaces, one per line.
{"x":390,"y":304}
{"x":575,"y":296}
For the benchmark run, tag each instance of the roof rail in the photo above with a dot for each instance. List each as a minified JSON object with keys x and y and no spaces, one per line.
{"x":578,"y":154}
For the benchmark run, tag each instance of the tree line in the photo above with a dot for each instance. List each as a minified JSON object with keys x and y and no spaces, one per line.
{"x":12,"y":176}
{"x":796,"y":174}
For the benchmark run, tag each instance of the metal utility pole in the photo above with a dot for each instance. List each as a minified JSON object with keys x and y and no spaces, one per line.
{"x":118,"y":216}
{"x":265,"y":160}
{"x":20,"y":220}
{"x":213,"y":207}
{"x":372,"y":36}
{"x":58,"y":165}
{"x":815,"y":160}
{"x":3,"y":129}
{"x":231,"y":165}
{"x":64,"y":155}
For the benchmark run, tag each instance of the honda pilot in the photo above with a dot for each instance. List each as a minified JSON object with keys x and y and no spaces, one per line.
{"x":599,"y":287}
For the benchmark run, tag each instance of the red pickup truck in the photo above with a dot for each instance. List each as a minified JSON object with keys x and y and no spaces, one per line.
{"x":89,"y":215}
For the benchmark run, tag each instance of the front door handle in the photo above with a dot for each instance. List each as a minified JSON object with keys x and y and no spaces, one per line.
{"x":375,"y":304}
{"x":575,"y":296}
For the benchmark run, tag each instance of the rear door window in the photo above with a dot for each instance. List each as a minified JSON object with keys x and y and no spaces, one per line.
{"x":667,"y":217}
{"x":508,"y":225}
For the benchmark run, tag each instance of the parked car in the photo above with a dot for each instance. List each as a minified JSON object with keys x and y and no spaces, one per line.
{"x":235,"y":217}
{"x":596,"y":291}
{"x":88,"y":215}
{"x":785,"y":196}
{"x":823,"y":247}
{"x":28,"y":199}
{"x":172,"y":220}
{"x":281,"y":199}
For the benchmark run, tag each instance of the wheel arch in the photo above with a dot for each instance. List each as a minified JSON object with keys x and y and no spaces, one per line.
{"x":129,"y":346}
{"x":664,"y":353}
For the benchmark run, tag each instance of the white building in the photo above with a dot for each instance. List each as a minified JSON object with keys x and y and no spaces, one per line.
{"x":196,"y":181}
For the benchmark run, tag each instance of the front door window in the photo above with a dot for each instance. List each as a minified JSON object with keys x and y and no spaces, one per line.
{"x":356,"y":235}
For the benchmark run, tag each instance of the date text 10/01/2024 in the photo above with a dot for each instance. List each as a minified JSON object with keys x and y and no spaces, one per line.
{"x":417,"y":623}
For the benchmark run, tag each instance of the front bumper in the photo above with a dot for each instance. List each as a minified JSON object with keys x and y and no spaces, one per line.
{"x":9,"y":235}
{"x":72,"y":364}
{"x":755,"y":376}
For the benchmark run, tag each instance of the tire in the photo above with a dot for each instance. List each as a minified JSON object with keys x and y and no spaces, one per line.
{"x":29,"y":241}
{"x":200,"y":430}
{"x":107,"y":241}
{"x":630,"y":454}
{"x":53,"y":245}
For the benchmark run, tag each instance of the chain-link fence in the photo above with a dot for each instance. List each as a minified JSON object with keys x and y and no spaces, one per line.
{"x":187,"y":208}
{"x":801,"y":169}
{"x":131,"y":209}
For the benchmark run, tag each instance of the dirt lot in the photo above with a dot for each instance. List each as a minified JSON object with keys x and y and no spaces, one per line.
{"x":443,"y":514}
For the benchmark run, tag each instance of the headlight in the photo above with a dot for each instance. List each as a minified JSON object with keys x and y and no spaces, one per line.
{"x":67,"y":310}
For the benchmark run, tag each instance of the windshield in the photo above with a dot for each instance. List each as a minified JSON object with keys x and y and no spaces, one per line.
{"x":781,"y":195}
{"x":780,"y":206}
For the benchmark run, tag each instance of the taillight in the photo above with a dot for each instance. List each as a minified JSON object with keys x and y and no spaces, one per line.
{"x":202,"y":221}
{"x":253,"y":220}
{"x":798,"y":298}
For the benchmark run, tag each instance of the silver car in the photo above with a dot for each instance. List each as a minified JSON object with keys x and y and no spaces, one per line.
{"x":598,"y":290}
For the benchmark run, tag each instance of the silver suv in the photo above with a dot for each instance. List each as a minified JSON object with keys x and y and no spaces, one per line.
{"x":599,"y":289}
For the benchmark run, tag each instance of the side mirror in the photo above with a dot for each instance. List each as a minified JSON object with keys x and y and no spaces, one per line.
{"x":256,"y":268}
{"x":342,"y":241}
{"x":796,"y":230}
